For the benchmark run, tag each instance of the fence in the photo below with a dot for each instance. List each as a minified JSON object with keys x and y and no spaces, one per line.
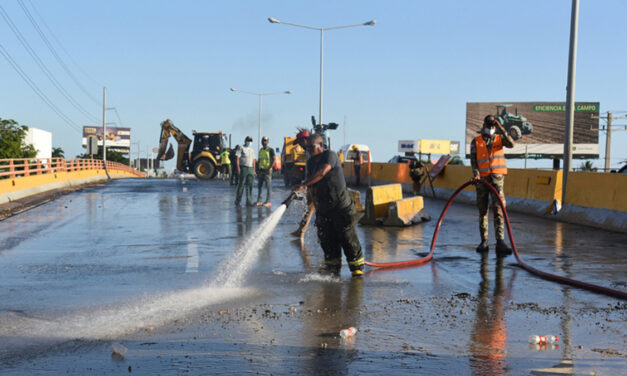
{"x":15,"y":168}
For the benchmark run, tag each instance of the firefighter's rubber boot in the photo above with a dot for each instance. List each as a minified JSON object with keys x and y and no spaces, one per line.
{"x":357,"y":273}
{"x":330,"y":270}
{"x":483,"y":247}
{"x":502,"y":250}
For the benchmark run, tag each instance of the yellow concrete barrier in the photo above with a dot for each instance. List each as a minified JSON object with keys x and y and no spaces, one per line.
{"x":385,"y":204}
{"x":17,"y":188}
{"x":597,"y":190}
{"x":593,"y":199}
{"x":378,"y":200}
{"x":406,"y":212}
{"x":356,"y":197}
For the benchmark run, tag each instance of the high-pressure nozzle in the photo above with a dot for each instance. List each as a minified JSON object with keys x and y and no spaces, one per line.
{"x":293,"y":196}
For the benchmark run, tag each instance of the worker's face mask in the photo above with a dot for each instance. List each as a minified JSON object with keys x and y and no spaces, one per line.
{"x":247,"y":143}
{"x":489,"y":131}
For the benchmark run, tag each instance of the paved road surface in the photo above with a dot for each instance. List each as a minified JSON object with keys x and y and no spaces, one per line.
{"x":136,"y":262}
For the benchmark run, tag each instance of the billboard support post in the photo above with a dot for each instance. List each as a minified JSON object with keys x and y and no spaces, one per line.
{"x":570,"y":97}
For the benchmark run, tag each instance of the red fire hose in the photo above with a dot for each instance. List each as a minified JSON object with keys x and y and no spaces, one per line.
{"x":521,"y":263}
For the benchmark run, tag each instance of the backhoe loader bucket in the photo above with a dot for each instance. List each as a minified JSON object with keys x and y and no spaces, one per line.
{"x":163,"y":144}
{"x":169,"y":154}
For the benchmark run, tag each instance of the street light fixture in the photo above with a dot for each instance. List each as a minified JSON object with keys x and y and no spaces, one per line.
{"x":322,"y":29}
{"x":260,"y":95}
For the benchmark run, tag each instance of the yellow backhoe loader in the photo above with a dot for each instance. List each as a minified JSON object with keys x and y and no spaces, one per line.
{"x":205,"y":154}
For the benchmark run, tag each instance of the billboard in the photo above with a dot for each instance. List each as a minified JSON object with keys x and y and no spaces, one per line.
{"x":538,"y":127}
{"x":408,"y":146}
{"x":428,"y":146}
{"x":435,"y":146}
{"x":118,"y":139}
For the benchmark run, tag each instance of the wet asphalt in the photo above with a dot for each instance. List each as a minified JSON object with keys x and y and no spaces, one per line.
{"x":134,"y":262}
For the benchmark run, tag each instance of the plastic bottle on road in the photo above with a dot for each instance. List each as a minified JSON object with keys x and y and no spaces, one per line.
{"x":344,"y":333}
{"x":118,"y":349}
{"x":543,"y":338}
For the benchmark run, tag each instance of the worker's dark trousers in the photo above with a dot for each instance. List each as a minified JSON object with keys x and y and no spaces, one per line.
{"x":336,"y":231}
{"x":357,"y":168}
{"x":245,"y":181}
{"x":264,"y":177}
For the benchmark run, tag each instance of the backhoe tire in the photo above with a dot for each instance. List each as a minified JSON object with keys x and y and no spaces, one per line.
{"x":204,"y":169}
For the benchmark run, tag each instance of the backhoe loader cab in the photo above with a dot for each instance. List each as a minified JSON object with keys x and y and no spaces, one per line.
{"x":205,"y":154}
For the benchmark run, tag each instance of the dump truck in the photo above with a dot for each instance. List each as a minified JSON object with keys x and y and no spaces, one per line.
{"x":293,"y":161}
{"x":204,"y":158}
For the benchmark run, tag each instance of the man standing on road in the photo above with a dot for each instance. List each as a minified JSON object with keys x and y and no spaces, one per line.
{"x":336,"y":214}
{"x":245,"y":167}
{"x":225,"y":161}
{"x":264,"y":164}
{"x":488,"y":163}
{"x":357,"y":160}
{"x":233,"y":158}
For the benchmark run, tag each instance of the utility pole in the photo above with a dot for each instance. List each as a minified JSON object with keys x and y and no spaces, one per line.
{"x":130,"y":144}
{"x":608,"y":135}
{"x":570,"y":97}
{"x":104,"y":124}
{"x":608,"y":141}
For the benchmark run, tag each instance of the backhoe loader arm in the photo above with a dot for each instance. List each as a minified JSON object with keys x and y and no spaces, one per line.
{"x":182,"y":160}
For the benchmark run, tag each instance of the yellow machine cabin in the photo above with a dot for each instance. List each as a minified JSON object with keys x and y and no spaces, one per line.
{"x":204,"y":157}
{"x":293,"y":161}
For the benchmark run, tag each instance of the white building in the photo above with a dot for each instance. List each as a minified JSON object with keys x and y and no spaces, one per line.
{"x":41,"y":140}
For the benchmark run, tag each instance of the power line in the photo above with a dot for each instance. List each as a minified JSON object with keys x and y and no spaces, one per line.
{"x":37,"y":91}
{"x":43,"y":67}
{"x":118,"y":115}
{"x":52,"y":49}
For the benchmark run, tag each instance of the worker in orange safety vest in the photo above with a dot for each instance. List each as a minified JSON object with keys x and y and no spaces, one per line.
{"x":488,"y":163}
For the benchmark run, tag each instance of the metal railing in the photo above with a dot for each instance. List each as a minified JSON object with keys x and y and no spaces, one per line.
{"x":16,"y":168}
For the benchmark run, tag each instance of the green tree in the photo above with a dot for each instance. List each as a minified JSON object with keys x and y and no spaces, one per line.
{"x":12,"y":140}
{"x":456,"y":160}
{"x":58,"y":153}
{"x":587,"y":166}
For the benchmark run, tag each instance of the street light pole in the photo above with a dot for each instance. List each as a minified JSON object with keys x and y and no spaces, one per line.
{"x":321,"y":80}
{"x":322,"y":29}
{"x":259,"y":126}
{"x":260,"y":95}
{"x":570,"y":97}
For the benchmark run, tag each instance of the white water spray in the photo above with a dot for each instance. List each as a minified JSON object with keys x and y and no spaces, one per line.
{"x":118,"y":320}
{"x":236,"y":267}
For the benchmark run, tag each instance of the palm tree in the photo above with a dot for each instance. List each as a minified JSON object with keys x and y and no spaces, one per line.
{"x":58,"y":153}
{"x":587,"y":166}
{"x":456,"y":160}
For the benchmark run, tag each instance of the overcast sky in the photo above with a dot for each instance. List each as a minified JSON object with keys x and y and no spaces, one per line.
{"x":407,"y":77}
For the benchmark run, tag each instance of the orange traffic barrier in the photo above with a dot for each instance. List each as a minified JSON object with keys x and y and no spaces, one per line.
{"x":15,"y":168}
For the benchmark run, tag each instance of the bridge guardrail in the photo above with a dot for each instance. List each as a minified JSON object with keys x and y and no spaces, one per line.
{"x":22,"y":167}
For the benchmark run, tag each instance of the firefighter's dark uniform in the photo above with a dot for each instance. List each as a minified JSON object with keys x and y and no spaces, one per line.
{"x":336,"y":215}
